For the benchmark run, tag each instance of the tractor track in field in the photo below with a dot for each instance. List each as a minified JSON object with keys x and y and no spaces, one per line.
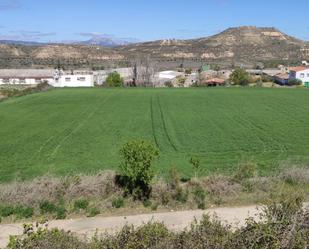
{"x":153,"y":124}
{"x":164,"y":125}
{"x":80,"y":125}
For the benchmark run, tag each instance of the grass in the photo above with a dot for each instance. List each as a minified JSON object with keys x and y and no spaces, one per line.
{"x":81,"y":130}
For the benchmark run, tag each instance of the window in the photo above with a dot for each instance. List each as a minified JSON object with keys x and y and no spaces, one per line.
{"x":81,"y":78}
{"x":67,"y":79}
{"x":38,"y":81}
{"x":6,"y":81}
{"x":22,"y":81}
{"x":302,"y":75}
{"x":307,"y":75}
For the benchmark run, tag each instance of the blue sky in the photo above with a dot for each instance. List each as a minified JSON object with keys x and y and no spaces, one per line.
{"x":64,"y":20}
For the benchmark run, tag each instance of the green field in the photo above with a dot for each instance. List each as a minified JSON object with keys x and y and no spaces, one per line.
{"x":82,"y":130}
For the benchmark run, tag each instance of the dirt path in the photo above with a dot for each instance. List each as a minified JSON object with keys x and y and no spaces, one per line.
{"x":173,"y":220}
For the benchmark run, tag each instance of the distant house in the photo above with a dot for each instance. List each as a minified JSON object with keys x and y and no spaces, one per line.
{"x":26,"y":76}
{"x":75,"y":79}
{"x":300,"y":73}
{"x":282,"y":78}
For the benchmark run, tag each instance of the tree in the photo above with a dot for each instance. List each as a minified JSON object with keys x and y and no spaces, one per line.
{"x":295,"y":82}
{"x":240,"y":77}
{"x":138,"y":156}
{"x":114,"y":80}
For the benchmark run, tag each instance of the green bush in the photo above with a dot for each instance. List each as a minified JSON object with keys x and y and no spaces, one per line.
{"x":138,"y":156}
{"x":81,"y":204}
{"x":181,"y":195}
{"x":93,"y":212}
{"x":61,"y":213}
{"x":48,"y":207}
{"x":199,"y":197}
{"x":240,"y":77}
{"x":19,"y":211}
{"x":23,"y":212}
{"x":118,"y":202}
{"x":114,"y":80}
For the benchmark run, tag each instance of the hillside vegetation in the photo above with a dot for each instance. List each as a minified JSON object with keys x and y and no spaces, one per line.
{"x":82,"y":130}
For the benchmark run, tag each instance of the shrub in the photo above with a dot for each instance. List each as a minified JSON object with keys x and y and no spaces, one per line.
{"x":181,"y":195}
{"x":138,"y":156}
{"x":240,"y":77}
{"x":81,"y":204}
{"x":93,"y":212}
{"x":294,"y":175}
{"x":48,"y":207}
{"x":118,"y":202}
{"x":6,"y":211}
{"x":114,"y":80}
{"x":295,"y":82}
{"x":147,"y":203}
{"x":195,"y":162}
{"x":174,"y":178}
{"x":199,"y":197}
{"x":19,"y":210}
{"x":245,"y":171}
{"x":61,"y":213}
{"x":23,"y":212}
{"x":168,"y":84}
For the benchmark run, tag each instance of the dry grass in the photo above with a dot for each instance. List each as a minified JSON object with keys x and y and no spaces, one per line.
{"x":295,"y":174}
{"x":52,"y":189}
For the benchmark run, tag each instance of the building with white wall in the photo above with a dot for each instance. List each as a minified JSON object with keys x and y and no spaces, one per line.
{"x":74,"y":79}
{"x":26,"y":76}
{"x":300,"y":73}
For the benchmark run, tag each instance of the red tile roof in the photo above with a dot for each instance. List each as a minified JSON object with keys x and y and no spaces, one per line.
{"x":297,"y":69}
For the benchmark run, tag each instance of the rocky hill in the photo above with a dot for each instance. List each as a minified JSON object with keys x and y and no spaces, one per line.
{"x":235,"y":45}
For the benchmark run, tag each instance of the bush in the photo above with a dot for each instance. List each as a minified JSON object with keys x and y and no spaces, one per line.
{"x":118,"y":202}
{"x":48,"y":207}
{"x":138,"y":156}
{"x":168,"y":84}
{"x":295,"y":175}
{"x":245,"y":171}
{"x":81,"y":204}
{"x":19,"y":211}
{"x":61,"y":213}
{"x":114,"y":80}
{"x":240,"y":77}
{"x":93,"y":212}
{"x":181,"y":195}
{"x":6,"y":211}
{"x":23,"y":212}
{"x":294,"y":82}
{"x":199,"y":197}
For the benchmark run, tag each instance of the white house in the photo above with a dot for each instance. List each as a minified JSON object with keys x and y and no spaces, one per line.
{"x":301,"y":73}
{"x":75,"y":79}
{"x":26,"y":76}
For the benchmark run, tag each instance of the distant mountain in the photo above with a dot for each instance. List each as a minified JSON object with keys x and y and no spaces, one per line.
{"x":25,"y":43}
{"x":106,"y":42}
{"x":246,"y":45}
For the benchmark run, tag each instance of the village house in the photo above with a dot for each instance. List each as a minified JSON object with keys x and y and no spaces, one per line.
{"x":72,"y":79}
{"x":26,"y":76}
{"x":56,"y":78}
{"x":300,"y":73}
